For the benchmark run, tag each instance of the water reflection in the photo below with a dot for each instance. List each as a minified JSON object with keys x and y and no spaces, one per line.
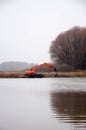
{"x":70,"y":107}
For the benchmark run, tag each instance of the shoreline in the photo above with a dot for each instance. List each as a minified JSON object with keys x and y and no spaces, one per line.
{"x":20,"y":74}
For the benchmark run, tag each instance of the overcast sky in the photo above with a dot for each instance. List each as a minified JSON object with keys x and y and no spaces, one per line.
{"x":27,"y":27}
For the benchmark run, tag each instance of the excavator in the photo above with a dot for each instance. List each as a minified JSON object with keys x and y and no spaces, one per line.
{"x":31,"y":73}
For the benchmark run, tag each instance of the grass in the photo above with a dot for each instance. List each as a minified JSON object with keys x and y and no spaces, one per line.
{"x":20,"y":74}
{"x":65,"y":74}
{"x":72,"y":74}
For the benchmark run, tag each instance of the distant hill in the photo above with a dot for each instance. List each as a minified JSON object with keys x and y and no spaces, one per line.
{"x":15,"y":66}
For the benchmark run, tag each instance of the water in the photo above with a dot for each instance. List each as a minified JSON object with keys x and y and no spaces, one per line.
{"x":43,"y":104}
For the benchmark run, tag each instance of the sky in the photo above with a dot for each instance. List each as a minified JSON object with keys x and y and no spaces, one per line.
{"x":27,"y":27}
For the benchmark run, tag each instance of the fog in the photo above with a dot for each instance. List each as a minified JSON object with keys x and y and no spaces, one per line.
{"x":27,"y":27}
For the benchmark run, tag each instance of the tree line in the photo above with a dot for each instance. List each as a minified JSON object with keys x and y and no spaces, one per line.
{"x":69,"y":48}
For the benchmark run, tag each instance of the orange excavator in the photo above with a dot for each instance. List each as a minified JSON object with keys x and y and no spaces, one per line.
{"x":31,"y":73}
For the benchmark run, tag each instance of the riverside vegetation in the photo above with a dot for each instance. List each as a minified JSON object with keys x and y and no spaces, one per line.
{"x":20,"y":74}
{"x":68,"y":55}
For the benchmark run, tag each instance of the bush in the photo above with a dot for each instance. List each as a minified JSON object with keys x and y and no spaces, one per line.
{"x":64,"y":68}
{"x":44,"y":69}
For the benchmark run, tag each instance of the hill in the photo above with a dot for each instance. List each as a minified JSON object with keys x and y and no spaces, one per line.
{"x":15,"y":66}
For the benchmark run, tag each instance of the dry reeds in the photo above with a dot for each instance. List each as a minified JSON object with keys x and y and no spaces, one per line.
{"x":20,"y":74}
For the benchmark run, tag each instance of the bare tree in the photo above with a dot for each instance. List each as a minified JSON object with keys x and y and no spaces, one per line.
{"x":70,"y":48}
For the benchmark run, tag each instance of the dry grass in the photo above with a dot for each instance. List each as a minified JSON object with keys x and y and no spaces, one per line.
{"x":72,"y":74}
{"x":20,"y":74}
{"x":65,"y":74}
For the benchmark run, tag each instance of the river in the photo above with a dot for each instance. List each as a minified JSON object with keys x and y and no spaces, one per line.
{"x":43,"y":104}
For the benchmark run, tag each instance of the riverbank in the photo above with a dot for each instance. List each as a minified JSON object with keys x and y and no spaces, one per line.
{"x":20,"y":74}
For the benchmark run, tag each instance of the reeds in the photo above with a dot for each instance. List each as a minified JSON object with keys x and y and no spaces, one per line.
{"x":65,"y":74}
{"x":20,"y":74}
{"x":11,"y":74}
